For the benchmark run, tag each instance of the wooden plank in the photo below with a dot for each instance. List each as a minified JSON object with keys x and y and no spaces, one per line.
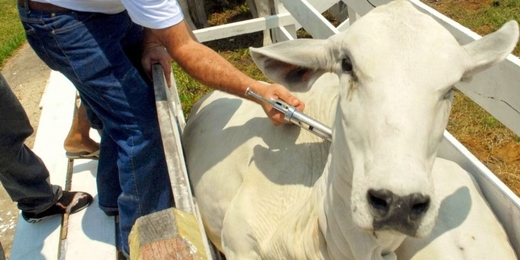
{"x":259,"y":24}
{"x":283,"y":34}
{"x":362,"y":7}
{"x":322,"y":5}
{"x":288,"y":32}
{"x":171,"y":141}
{"x":344,"y":25}
{"x":339,"y":11}
{"x":175,"y":105}
{"x":171,"y":121}
{"x":310,"y":18}
{"x":90,"y":233}
{"x":353,"y":16}
{"x":167,"y":234}
{"x":55,"y":122}
{"x":505,"y":204}
{"x":243,"y":27}
{"x":497,"y":90}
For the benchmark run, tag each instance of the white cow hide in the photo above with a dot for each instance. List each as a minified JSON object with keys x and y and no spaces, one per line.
{"x":385,"y":87}
{"x":466,"y":228}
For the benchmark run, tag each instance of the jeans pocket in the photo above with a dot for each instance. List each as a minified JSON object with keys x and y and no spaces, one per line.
{"x":66,"y":22}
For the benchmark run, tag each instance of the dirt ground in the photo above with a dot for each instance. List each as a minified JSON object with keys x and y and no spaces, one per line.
{"x":27,"y":75}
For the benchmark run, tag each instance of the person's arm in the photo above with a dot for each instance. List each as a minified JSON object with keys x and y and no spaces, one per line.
{"x":208,"y":67}
{"x":155,"y":52}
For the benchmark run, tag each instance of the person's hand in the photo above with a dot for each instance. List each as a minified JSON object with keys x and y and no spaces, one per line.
{"x":156,"y":53}
{"x":279,"y":92}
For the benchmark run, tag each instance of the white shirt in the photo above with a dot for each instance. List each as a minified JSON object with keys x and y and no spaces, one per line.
{"x":154,"y":14}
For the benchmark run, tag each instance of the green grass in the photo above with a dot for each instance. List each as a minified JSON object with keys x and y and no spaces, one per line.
{"x":11,"y":32}
{"x":481,"y":16}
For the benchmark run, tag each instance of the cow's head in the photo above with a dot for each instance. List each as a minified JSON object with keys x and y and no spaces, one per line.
{"x":396,"y":69}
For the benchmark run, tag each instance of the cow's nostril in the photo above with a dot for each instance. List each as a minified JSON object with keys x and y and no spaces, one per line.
{"x":380,"y":200}
{"x":420,"y":204}
{"x":399,"y":213}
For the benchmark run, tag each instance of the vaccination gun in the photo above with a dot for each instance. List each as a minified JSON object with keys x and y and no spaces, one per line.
{"x":296,"y":117}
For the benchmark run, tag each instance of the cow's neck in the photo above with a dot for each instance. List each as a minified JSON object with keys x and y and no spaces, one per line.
{"x":340,"y":237}
{"x":297,"y":237}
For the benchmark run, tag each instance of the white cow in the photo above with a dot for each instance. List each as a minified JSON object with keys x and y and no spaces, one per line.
{"x":385,"y":86}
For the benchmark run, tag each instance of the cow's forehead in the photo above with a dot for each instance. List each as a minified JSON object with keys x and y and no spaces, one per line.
{"x":401,"y":41}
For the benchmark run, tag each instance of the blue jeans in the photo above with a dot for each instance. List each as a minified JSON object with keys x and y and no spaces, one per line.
{"x":100,"y":55}
{"x":22,"y":173}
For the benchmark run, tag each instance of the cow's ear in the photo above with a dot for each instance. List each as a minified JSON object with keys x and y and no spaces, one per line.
{"x":491,"y":49}
{"x":295,"y":64}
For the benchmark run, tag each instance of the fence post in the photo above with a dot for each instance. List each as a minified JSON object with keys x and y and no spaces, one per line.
{"x":177,"y":232}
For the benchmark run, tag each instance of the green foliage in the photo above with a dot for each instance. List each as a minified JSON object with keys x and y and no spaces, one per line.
{"x":11,"y":32}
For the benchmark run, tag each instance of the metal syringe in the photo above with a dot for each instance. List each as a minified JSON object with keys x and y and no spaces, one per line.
{"x":295,"y":116}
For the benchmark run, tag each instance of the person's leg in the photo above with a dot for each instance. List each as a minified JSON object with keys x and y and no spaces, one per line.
{"x":107,"y":178}
{"x":2,"y":253}
{"x":78,"y":143}
{"x":94,"y":120}
{"x":89,"y":50}
{"x":22,"y":173}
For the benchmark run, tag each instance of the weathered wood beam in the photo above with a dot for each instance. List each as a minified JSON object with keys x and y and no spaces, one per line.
{"x":244,"y":27}
{"x":176,"y":233}
{"x":167,"y":234}
{"x":310,"y":18}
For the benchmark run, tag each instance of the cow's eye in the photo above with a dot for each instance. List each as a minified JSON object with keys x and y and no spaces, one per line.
{"x":346,"y":64}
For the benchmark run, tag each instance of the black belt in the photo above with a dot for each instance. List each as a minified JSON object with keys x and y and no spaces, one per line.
{"x":42,"y":7}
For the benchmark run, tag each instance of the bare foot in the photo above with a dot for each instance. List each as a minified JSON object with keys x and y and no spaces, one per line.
{"x":78,"y":140}
{"x":80,"y":144}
